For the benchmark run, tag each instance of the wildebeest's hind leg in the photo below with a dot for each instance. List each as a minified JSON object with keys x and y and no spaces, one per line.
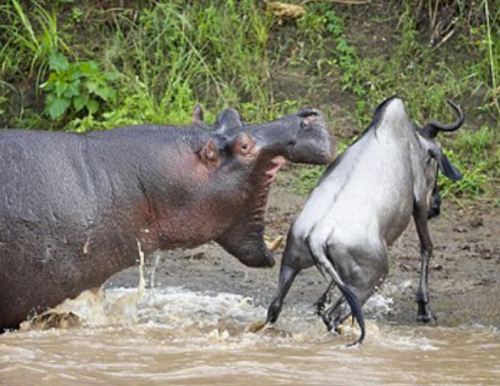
{"x":420,"y":218}
{"x":324,"y":299}
{"x":287,"y":276}
{"x":364,"y":269}
{"x":319,"y":252}
{"x":331,"y":316}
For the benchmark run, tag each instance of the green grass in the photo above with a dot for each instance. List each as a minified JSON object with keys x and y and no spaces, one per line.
{"x":412,"y":72}
{"x":477,"y":156}
{"x":30,"y":38}
{"x":183,"y":53}
{"x":169,"y":55}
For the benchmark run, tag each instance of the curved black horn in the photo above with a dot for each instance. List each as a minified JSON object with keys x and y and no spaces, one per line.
{"x":304,"y":113}
{"x":432,"y":128}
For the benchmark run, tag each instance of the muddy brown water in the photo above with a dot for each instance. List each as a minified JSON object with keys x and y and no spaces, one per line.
{"x":175,"y":336}
{"x":191,"y":328}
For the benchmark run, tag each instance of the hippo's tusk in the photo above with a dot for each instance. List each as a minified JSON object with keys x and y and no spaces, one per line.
{"x":275,"y":244}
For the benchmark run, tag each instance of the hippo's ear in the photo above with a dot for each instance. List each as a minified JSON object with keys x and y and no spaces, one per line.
{"x":197,"y":114}
{"x":228,"y":119}
{"x":445,"y":165}
{"x":209,"y":154}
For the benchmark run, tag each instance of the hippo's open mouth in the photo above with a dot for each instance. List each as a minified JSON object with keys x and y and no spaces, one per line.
{"x":245,"y":239}
{"x":274,"y":166}
{"x":265,"y":176}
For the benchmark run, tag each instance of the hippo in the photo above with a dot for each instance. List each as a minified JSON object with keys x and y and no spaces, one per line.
{"x":75,"y":207}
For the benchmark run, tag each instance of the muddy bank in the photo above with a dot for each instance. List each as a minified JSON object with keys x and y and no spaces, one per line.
{"x":464,"y":272}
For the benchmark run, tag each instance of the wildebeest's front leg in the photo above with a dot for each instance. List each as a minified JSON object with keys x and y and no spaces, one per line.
{"x":420,"y":218}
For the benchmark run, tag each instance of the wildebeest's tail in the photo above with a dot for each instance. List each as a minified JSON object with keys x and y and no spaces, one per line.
{"x":356,"y":311}
{"x":323,"y":262}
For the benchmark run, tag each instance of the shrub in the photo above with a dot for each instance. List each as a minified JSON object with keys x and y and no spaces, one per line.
{"x":76,"y":87}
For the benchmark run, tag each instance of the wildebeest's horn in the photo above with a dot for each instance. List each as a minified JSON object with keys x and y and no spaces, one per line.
{"x":304,"y":113}
{"x":432,"y":128}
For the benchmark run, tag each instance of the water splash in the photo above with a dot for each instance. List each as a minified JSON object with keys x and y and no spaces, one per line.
{"x":378,"y":305}
{"x":142,"y":281}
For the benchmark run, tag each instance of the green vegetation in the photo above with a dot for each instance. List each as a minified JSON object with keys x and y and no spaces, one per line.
{"x":66,"y":65}
{"x":72,"y":87}
{"x":477,"y":155}
{"x":31,"y":39}
{"x":412,"y":72}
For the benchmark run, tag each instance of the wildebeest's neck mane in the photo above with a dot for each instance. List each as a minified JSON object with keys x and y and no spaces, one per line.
{"x":377,"y":116}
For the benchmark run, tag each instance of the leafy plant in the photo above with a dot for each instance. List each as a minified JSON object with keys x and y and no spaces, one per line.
{"x":345,"y":54}
{"x":172,"y":54}
{"x":76,"y":86}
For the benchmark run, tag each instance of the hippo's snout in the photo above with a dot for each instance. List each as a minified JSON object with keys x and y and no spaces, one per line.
{"x":314,"y":144}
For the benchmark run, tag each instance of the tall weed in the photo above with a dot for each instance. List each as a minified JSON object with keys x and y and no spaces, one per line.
{"x":29,"y":38}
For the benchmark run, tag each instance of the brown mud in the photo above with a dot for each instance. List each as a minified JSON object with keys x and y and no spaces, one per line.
{"x":464,"y":277}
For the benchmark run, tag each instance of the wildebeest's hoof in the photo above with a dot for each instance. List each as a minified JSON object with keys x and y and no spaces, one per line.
{"x":425,"y":318}
{"x":339,"y":330}
{"x":332,"y":325}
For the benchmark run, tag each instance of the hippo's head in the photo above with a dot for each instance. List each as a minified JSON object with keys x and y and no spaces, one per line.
{"x":301,"y":137}
{"x":251,"y":156}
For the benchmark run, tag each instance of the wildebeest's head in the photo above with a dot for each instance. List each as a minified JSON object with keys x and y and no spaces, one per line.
{"x":436,"y":159}
{"x":251,"y":157}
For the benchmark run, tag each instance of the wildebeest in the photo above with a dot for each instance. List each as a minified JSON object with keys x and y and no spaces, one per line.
{"x":74,"y":207}
{"x":361,"y":205}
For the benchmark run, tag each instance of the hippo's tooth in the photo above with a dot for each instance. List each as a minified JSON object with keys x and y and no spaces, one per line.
{"x":275,"y":244}
{"x":275,"y":165}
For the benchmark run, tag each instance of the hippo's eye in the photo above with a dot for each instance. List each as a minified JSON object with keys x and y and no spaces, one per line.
{"x":244,"y":145}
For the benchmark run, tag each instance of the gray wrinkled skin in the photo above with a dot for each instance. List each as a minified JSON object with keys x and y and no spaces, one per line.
{"x":73,"y":208}
{"x":361,"y":205}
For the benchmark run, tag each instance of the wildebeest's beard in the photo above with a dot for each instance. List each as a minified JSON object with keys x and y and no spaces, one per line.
{"x":435,"y":202}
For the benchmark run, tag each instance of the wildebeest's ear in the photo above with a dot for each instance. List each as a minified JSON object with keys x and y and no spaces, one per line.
{"x":445,"y":165}
{"x":209,"y":153}
{"x":228,"y":119}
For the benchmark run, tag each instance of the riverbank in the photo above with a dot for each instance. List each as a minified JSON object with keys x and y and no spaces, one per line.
{"x":464,"y":271}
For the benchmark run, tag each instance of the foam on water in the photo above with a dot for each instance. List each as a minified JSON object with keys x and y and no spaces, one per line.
{"x":378,"y":305}
{"x":205,"y":319}
{"x":180,"y":336}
